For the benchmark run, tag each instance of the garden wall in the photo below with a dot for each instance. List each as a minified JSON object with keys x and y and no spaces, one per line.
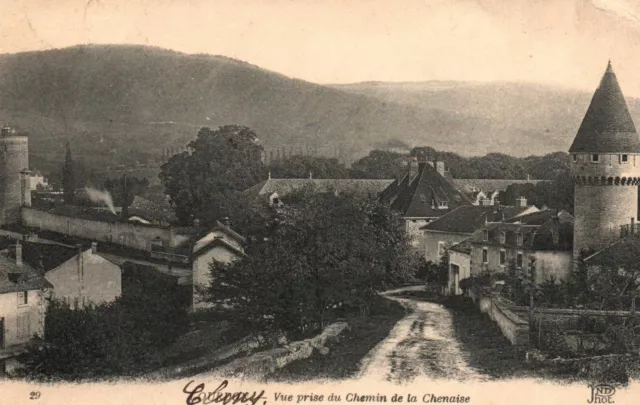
{"x":511,"y":325}
{"x":569,"y":319}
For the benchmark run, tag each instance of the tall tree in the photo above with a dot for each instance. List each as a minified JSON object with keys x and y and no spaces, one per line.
{"x":68,"y":177}
{"x":202,"y":182}
{"x":324,"y":252}
{"x":124,"y":189}
{"x":379,"y":164}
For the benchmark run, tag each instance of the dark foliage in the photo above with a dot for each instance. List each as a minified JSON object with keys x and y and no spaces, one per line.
{"x":203,"y":183}
{"x":121,"y":338}
{"x":324,"y":253}
{"x":379,"y":164}
{"x":124,"y":189}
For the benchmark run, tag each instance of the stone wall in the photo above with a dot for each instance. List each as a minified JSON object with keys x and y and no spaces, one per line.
{"x":511,"y":325}
{"x":568,"y":319}
{"x":261,"y":364}
{"x":133,"y":235}
{"x":601,"y":210}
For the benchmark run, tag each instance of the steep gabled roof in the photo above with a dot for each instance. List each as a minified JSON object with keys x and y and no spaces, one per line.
{"x":218,"y":242}
{"x":429,"y":188}
{"x":607,"y":126}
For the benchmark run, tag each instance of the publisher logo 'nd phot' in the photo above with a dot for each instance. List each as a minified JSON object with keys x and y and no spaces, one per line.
{"x":601,"y":394}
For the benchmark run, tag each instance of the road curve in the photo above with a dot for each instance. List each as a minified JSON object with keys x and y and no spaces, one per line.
{"x":421,"y":345}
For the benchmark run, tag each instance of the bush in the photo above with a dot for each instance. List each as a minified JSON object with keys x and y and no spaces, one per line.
{"x":123,"y":337}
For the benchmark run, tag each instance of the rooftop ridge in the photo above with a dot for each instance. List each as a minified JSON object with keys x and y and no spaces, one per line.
{"x":607,"y":126}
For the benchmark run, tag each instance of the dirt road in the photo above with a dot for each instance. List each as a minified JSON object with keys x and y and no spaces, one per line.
{"x":422,"y":344}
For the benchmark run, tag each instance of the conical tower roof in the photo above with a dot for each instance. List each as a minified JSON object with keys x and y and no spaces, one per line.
{"x":607,"y":126}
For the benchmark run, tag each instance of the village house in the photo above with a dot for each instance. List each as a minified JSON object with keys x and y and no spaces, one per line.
{"x":423,"y":195}
{"x":462,"y":222}
{"x":77,"y":275}
{"x":221,"y":244}
{"x":23,"y":290}
{"x":538,"y":244}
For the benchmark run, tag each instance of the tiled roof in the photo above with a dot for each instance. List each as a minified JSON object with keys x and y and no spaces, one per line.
{"x":218,"y":242}
{"x":426,"y":192}
{"x":468,"y":218}
{"x":543,"y":230}
{"x":14,"y":278}
{"x":607,"y":126}
{"x":286,"y":186}
{"x":48,"y":255}
{"x":471,"y":186}
{"x":227,"y":229}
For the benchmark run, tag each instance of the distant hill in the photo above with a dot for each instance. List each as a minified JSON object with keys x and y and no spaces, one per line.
{"x":518,"y":119}
{"x":119,"y":104}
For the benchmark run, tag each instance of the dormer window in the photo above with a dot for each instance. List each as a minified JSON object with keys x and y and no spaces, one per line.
{"x":595,"y":158}
{"x":443,"y":205}
{"x":624,"y":158}
{"x":503,"y":237}
{"x":575,"y":158}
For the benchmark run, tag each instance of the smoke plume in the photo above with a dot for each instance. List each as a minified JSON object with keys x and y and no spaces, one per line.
{"x":101,"y":196}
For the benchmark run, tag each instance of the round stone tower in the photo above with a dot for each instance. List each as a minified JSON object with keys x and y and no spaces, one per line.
{"x":605,"y":168}
{"x":14,"y":158}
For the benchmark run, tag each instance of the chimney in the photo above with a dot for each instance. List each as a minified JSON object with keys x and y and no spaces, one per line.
{"x":18,"y":254}
{"x":94,"y":248}
{"x":25,"y":180}
{"x":226,"y":221}
{"x":521,"y":202}
{"x":440,"y":167}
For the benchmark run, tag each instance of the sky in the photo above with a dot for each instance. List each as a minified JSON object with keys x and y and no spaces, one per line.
{"x":558,"y":42}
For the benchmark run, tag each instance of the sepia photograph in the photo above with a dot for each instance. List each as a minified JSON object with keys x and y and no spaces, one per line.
{"x":310,"y":202}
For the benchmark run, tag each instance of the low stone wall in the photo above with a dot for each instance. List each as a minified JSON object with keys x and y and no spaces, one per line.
{"x":569,"y":319}
{"x":241,"y":347}
{"x":511,"y":325}
{"x":261,"y":364}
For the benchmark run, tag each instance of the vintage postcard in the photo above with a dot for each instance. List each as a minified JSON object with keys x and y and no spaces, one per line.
{"x":315,"y":202}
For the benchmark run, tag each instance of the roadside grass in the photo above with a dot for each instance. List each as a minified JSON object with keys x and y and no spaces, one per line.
{"x":345,"y":355}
